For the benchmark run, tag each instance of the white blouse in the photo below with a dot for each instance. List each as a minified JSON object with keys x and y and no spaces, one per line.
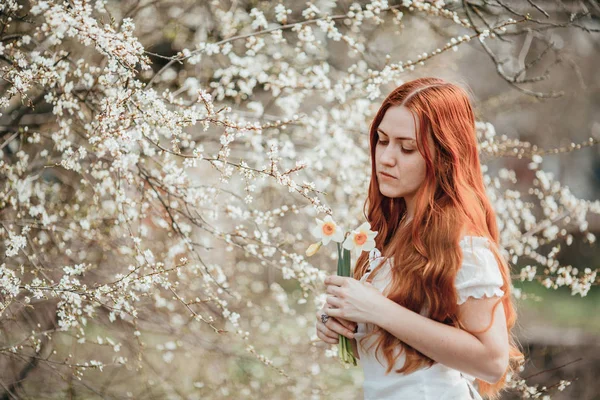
{"x":479,"y":276}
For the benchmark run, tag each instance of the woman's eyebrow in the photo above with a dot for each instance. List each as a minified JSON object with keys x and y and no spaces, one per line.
{"x":399,"y":137}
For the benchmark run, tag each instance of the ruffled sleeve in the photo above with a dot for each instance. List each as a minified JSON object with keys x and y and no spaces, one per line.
{"x":479,"y":275}
{"x":374,"y":261}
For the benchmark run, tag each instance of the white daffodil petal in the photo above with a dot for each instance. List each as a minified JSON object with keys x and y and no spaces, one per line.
{"x":364,"y":227}
{"x":317,"y":231}
{"x":326,"y":239}
{"x":329,"y":219}
{"x":358,"y":250}
{"x":371,"y":234}
{"x":348,"y":243}
{"x":338,"y":236}
{"x":369,"y":245}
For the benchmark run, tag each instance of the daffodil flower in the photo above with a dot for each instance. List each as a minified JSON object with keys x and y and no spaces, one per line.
{"x":328,"y":230}
{"x":360,"y":239}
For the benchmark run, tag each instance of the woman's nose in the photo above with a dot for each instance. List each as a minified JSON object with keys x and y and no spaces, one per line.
{"x":387,"y":157}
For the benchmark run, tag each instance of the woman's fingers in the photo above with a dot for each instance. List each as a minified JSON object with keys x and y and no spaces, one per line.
{"x":347,"y":324}
{"x":327,"y":339}
{"x":336,"y":326}
{"x":326,"y":335}
{"x":325,"y":331}
{"x":332,"y":328}
{"x":351,"y":325}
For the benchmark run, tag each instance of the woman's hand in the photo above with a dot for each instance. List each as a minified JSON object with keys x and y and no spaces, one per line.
{"x":351,"y":299}
{"x":329,"y":331}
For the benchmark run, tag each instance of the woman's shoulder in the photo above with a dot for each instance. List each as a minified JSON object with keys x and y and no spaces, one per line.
{"x":477,"y":253}
{"x":479,"y":274}
{"x":471,"y":240}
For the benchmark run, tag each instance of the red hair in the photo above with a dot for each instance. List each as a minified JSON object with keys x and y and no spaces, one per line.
{"x":452,"y":195}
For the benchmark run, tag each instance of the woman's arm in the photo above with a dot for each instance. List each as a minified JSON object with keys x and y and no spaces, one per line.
{"x":484,"y":356}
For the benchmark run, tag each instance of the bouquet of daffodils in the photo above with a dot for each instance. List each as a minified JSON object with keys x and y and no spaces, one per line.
{"x":359,"y":240}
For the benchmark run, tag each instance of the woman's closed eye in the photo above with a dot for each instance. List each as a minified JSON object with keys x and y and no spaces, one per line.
{"x":404,"y":150}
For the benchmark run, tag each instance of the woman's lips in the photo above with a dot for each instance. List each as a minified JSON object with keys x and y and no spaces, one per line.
{"x":383,"y":174}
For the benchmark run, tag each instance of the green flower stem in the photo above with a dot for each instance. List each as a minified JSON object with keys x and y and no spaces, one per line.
{"x":344,"y":346}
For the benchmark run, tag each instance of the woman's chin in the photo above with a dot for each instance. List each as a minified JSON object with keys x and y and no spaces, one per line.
{"x":390,"y":193}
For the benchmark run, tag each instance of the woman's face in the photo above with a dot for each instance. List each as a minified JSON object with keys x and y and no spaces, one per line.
{"x":399,"y":165}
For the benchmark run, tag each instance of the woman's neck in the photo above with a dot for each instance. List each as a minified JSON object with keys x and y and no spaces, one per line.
{"x":405,"y":220}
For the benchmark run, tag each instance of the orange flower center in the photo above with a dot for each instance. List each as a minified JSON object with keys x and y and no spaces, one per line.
{"x":360,"y":238}
{"x":328,"y":228}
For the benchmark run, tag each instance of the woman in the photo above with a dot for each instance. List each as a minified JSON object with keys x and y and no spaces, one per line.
{"x":422,"y":308}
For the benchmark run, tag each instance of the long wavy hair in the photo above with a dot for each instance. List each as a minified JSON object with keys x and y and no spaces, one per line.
{"x":426,"y":250}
